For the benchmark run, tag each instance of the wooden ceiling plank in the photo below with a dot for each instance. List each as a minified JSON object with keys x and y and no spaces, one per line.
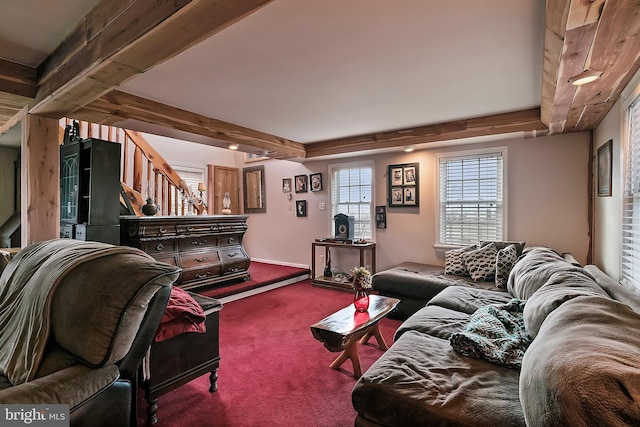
{"x":526,"y":120}
{"x":556,"y":17}
{"x":577,"y":44}
{"x":144,"y":34}
{"x":584,"y":13}
{"x":127,"y":106}
{"x":615,"y":51}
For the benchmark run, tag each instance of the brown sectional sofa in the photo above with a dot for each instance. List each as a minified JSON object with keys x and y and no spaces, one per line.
{"x":582,"y":366}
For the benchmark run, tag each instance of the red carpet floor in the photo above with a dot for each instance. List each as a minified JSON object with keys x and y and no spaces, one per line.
{"x":272,"y":371}
{"x":261,"y":274}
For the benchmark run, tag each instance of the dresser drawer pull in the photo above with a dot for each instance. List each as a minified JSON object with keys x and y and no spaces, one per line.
{"x":232,"y":255}
{"x":202,"y":276}
{"x":198,"y":243}
{"x":159,"y":247}
{"x":232,"y":240}
{"x":190,"y":228}
{"x":162,"y":230}
{"x":203,"y":259}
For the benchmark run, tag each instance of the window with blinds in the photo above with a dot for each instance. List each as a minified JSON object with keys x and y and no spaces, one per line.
{"x":631,"y":201}
{"x":352,"y":194}
{"x":192,"y":176}
{"x":471,"y":198}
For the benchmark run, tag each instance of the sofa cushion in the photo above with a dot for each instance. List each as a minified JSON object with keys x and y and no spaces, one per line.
{"x":582,"y":368}
{"x":533,"y":269}
{"x":505,"y":260}
{"x":420,"y":380}
{"x":562,"y":286}
{"x":99,"y":305}
{"x":455,"y":261}
{"x":415,"y":280}
{"x":434,"y":320}
{"x":467,"y":299}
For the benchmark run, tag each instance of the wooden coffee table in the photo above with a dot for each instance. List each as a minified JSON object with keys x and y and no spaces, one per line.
{"x":341,"y":331}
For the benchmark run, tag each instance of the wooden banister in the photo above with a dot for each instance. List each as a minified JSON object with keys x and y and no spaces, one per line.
{"x":151,"y":175}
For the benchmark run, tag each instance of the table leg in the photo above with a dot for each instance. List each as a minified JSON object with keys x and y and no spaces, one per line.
{"x":375,"y":331}
{"x":351,"y":352}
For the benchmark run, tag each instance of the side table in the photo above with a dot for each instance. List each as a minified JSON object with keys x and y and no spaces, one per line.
{"x":329,"y":282}
{"x":341,"y":331}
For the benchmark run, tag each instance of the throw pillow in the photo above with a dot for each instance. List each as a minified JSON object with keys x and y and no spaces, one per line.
{"x":481,"y":262}
{"x":503,"y":244}
{"x":454,"y":261}
{"x":505,"y":260}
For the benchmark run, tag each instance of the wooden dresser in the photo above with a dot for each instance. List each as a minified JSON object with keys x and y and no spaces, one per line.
{"x":208,"y":248}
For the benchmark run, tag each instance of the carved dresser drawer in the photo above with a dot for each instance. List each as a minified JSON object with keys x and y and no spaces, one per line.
{"x":208,"y":248}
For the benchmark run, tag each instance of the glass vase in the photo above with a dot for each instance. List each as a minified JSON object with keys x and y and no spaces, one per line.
{"x":361,"y":300}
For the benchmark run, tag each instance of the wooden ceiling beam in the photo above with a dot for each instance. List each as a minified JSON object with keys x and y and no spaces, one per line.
{"x":17,"y":79}
{"x":123,"y":38}
{"x":117,"y":106}
{"x":519,"y":121}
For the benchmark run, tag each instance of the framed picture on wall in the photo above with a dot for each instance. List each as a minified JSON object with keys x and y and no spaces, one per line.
{"x":403,"y":185}
{"x":286,"y":185}
{"x":381,"y":217}
{"x":301,"y":183}
{"x":316,"y":181}
{"x":605,"y":163}
{"x":301,"y":208}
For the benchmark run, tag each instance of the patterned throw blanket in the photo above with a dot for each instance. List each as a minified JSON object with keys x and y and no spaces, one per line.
{"x":495,"y":332}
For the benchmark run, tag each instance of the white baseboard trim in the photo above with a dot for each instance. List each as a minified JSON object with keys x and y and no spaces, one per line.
{"x":261,"y":289}
{"x":287,"y":264}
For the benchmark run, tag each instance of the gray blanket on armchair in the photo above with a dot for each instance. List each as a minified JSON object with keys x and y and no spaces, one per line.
{"x":33,"y":276}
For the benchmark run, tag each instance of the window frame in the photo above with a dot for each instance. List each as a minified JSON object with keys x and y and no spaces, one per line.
{"x":353,"y":165}
{"x":503,"y":151}
{"x":629,"y":97}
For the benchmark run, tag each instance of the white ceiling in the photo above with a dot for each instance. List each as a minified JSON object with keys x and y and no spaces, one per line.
{"x":312,"y":70}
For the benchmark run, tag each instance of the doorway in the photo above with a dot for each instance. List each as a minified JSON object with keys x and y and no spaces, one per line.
{"x":223,"y":179}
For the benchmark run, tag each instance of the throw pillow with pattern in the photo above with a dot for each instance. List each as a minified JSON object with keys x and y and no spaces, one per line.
{"x":481,"y":262}
{"x":505,"y":259}
{"x":454,"y":261}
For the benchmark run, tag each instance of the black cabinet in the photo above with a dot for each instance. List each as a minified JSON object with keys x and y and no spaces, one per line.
{"x":90,"y":190}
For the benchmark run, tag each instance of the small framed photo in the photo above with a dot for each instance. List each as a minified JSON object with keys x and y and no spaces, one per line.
{"x":301,"y":208}
{"x":286,"y":185}
{"x":381,"y":217}
{"x":409,"y":174}
{"x":605,"y":163}
{"x":301,"y":182}
{"x":396,"y":176}
{"x":409,"y":196}
{"x":397,"y":198}
{"x":316,"y":182}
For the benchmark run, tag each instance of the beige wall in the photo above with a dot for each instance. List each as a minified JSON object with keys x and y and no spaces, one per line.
{"x":547,"y":188}
{"x":606,"y":210}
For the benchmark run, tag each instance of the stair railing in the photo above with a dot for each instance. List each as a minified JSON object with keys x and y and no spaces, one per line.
{"x":145,"y":173}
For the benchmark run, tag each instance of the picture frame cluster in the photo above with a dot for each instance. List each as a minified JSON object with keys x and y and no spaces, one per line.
{"x":403,"y":185}
{"x":302,"y":184}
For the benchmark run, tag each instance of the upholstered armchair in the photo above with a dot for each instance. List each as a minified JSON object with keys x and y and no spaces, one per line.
{"x":76,"y":319}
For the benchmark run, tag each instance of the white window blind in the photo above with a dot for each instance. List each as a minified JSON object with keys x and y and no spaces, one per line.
{"x":471,"y":198}
{"x":352,"y":194}
{"x":631,"y":201}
